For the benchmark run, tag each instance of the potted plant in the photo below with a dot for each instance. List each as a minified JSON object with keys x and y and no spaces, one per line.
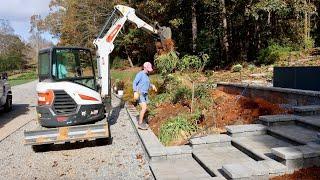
{"x":120,"y":87}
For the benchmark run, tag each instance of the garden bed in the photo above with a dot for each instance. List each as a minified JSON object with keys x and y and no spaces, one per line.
{"x":225,"y":109}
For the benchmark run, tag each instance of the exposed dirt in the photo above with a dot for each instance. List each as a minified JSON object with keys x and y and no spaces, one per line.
{"x":165,"y":112}
{"x":231,"y":109}
{"x":306,"y":174}
{"x":227,"y":109}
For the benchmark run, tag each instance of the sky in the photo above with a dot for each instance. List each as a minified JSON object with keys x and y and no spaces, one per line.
{"x":18,"y":13}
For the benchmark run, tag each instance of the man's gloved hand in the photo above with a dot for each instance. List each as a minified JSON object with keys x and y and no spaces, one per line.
{"x":154,"y":88}
{"x":136,"y":95}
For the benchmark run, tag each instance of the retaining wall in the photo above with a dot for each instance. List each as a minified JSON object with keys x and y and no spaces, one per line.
{"x":285,"y":96}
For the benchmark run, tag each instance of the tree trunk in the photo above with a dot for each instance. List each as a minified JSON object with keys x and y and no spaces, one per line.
{"x":194,"y":26}
{"x":225,"y":30}
{"x":129,"y":58}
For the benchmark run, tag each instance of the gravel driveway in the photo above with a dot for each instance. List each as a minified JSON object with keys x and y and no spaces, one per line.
{"x":123,"y":159}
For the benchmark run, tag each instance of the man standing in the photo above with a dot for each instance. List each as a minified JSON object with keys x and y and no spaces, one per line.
{"x":141,"y":85}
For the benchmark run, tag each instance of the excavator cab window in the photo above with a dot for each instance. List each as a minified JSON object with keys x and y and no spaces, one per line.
{"x":73,"y":65}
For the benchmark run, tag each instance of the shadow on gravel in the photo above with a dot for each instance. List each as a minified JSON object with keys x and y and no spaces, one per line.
{"x":17,"y":110}
{"x":115,"y":113}
{"x":72,"y":146}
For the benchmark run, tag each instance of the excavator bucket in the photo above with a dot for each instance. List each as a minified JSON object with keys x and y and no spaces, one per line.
{"x":67,"y":134}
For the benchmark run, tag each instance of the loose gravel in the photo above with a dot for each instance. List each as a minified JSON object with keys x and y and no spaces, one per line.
{"x":123,"y":159}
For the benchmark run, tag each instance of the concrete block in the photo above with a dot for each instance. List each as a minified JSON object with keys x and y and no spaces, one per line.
{"x":217,"y":138}
{"x":186,"y":149}
{"x":270,"y":120}
{"x":308,"y":152}
{"x":173,"y":150}
{"x":287,"y":153}
{"x":245,"y":128}
{"x":153,"y":152}
{"x":306,"y":108}
{"x":253,"y":133}
{"x":197,"y":141}
{"x":250,"y":169}
{"x":236,"y":171}
{"x":294,"y":163}
{"x":273,"y":167}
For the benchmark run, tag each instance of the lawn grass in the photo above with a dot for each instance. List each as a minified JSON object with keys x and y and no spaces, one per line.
{"x":23,"y":78}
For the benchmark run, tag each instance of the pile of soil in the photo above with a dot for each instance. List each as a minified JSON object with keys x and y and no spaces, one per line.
{"x":226,"y":109}
{"x":308,"y":173}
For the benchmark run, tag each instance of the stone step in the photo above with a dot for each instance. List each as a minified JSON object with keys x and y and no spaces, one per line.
{"x":246,"y":130}
{"x":245,"y":170}
{"x":214,"y":158}
{"x":186,"y":168}
{"x":273,"y":120}
{"x":296,"y":157}
{"x":311,"y":122}
{"x":294,"y":133}
{"x":307,"y":110}
{"x":259,"y":147}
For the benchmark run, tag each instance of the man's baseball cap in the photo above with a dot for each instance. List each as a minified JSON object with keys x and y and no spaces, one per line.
{"x":147,"y":66}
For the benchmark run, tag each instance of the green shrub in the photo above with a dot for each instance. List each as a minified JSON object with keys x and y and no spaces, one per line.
{"x":174,"y":127}
{"x":251,"y":67}
{"x":236,"y":68}
{"x":166,"y":63}
{"x":170,"y":83}
{"x":273,"y":53}
{"x":191,"y":62}
{"x":182,"y":95}
{"x":159,"y":99}
{"x":201,"y":92}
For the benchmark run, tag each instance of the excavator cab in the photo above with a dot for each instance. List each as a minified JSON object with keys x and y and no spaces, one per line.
{"x":71,"y":64}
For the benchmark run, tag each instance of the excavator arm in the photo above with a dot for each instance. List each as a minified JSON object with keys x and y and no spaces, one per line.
{"x":104,"y":42}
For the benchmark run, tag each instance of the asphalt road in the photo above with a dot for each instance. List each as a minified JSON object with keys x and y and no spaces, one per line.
{"x":123,"y":159}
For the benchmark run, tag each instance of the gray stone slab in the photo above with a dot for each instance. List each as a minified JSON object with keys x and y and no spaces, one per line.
{"x":197,"y":141}
{"x":216,"y":138}
{"x":295,"y":133}
{"x":278,"y":118}
{"x":245,"y":170}
{"x":215,"y":157}
{"x":307,"y":151}
{"x":306,"y":108}
{"x":173,"y":150}
{"x":186,"y":149}
{"x":186,"y":168}
{"x":236,"y":171}
{"x":260,"y":145}
{"x":245,"y":128}
{"x":310,"y":120}
{"x":287,"y":153}
{"x":273,"y":167}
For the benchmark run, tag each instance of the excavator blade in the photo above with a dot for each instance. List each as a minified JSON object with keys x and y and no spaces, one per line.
{"x":67,"y":134}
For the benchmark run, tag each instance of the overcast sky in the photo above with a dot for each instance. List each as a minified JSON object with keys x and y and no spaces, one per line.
{"x":18,"y":13}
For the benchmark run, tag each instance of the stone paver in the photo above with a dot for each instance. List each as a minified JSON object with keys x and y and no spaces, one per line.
{"x":186,"y":168}
{"x":311,"y":120}
{"x":260,"y":145}
{"x":306,"y":108}
{"x":215,"y":157}
{"x":252,"y":170}
{"x":271,"y":120}
{"x":296,"y":133}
